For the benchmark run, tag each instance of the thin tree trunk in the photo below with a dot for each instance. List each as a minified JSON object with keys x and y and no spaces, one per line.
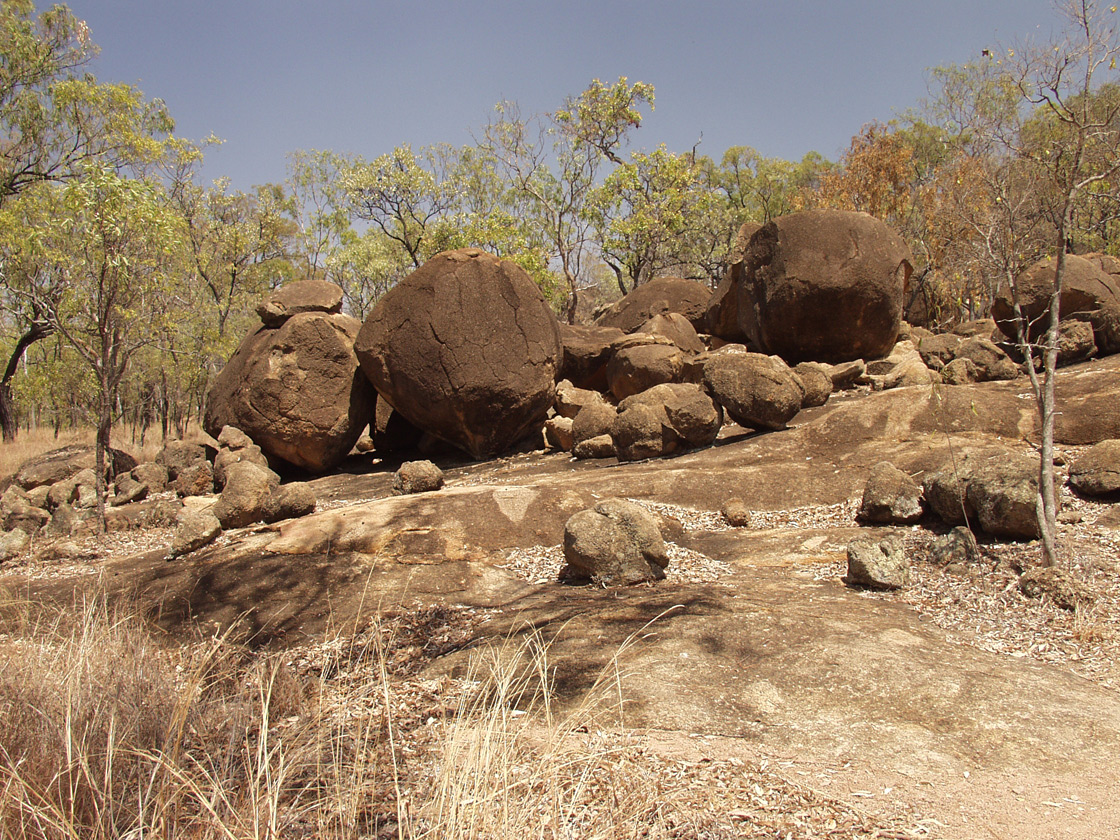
{"x":38,"y":331}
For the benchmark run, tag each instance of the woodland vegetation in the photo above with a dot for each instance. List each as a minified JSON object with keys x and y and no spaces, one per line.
{"x":126,"y":282}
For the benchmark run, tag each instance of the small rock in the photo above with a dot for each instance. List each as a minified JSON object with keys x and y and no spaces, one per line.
{"x":13,"y":543}
{"x":1097,"y":471}
{"x":956,"y":548}
{"x":614,"y":543}
{"x":230,"y":437}
{"x":737,"y":514}
{"x":291,"y":501}
{"x":197,"y":479}
{"x":558,"y":433}
{"x":195,"y":530}
{"x":245,"y":496}
{"x":417,"y":477}
{"x":877,"y":563}
{"x":1055,"y":584}
{"x":600,"y":446}
{"x":890,"y":497}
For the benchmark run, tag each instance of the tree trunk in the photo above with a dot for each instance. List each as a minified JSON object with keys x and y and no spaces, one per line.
{"x":38,"y":331}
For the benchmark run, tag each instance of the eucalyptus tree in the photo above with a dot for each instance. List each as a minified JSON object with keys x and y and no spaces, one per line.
{"x":55,"y":120}
{"x":556,"y":161}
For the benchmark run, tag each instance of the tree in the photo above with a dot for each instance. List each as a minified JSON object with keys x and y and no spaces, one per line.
{"x":555,"y":162}
{"x":55,"y":120}
{"x":410,"y":198}
{"x":650,"y":212}
{"x":110,"y":244}
{"x":1039,"y":129}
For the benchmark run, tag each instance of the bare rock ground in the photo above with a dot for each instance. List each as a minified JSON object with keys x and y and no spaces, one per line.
{"x":944,"y":707}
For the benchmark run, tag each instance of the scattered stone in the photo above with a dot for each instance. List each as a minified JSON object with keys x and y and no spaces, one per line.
{"x":847,"y":374}
{"x":195,"y":529}
{"x":245,"y":497}
{"x":195,"y":480}
{"x":638,"y":433}
{"x":685,"y":415}
{"x":297,"y":298}
{"x":587,"y":349}
{"x":816,"y":382}
{"x":230,"y":437}
{"x":992,"y":363}
{"x":1085,"y":288}
{"x":290,"y":501}
{"x":128,"y":490}
{"x":1004,"y":493}
{"x":1076,"y":342}
{"x":65,"y":521}
{"x":632,"y":370}
{"x":152,"y":474}
{"x":594,"y":420}
{"x":877,"y":563}
{"x":958,"y":547}
{"x":227,"y":457}
{"x":13,"y":543}
{"x":1097,"y":471}
{"x":676,"y":328}
{"x":417,"y":477}
{"x":737,"y":514}
{"x":658,"y":296}
{"x":558,"y":433}
{"x":600,"y":446}
{"x":570,"y":400}
{"x":615,"y":543}
{"x":938,"y":350}
{"x":890,"y":497}
{"x":961,"y":372}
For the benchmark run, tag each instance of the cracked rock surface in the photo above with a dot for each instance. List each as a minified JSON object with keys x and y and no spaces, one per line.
{"x":296,"y":390}
{"x":825,"y":286}
{"x":465,"y":348}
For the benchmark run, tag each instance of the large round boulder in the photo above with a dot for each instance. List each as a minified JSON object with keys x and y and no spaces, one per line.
{"x":824,"y":285}
{"x":658,"y":296}
{"x":296,"y":390}
{"x":465,"y":348}
{"x":1086,"y":288}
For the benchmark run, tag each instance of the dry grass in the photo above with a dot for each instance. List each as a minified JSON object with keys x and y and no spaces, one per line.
{"x":106,"y":732}
{"x":31,"y":444}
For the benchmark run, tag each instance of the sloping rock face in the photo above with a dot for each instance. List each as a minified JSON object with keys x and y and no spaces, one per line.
{"x":722,"y":316}
{"x":296,"y":390}
{"x":824,"y":286}
{"x":465,"y":348}
{"x":1086,"y":288}
{"x":659,"y":296}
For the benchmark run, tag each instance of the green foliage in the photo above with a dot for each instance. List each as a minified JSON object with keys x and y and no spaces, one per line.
{"x":651,"y":211}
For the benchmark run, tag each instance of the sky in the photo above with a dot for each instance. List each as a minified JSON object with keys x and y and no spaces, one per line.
{"x":270,"y":77}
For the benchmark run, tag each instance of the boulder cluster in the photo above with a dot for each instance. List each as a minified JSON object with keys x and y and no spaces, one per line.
{"x":466,"y":353}
{"x":199,"y":488}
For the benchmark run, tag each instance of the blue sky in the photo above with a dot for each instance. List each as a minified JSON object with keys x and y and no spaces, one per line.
{"x":273,"y":76}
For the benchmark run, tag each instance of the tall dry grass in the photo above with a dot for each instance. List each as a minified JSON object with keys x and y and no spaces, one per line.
{"x":107,"y":731}
{"x":31,"y":444}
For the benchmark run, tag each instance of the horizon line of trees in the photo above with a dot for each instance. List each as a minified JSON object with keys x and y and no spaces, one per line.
{"x":125,"y":282}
